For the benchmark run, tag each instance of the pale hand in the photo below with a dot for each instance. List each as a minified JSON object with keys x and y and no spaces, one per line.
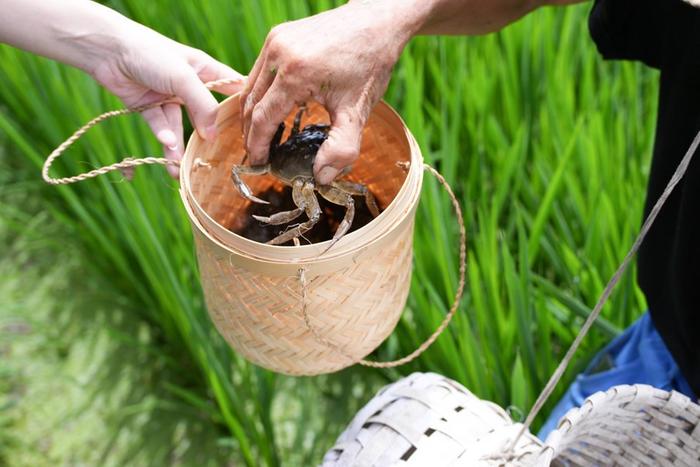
{"x":155,"y":68}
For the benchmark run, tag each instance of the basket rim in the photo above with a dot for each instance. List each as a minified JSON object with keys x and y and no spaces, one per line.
{"x":315,"y":266}
{"x":397,"y":213}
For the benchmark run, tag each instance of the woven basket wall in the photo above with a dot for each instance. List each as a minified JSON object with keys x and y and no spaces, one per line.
{"x":629,"y":425}
{"x":428,"y":420}
{"x":355,"y":292}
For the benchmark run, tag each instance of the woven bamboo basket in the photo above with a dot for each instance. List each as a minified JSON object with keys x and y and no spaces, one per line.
{"x":427,"y":419}
{"x":309,"y":309}
{"x":355,"y":292}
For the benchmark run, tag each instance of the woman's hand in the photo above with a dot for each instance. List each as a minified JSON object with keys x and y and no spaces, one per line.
{"x":151,"y":68}
{"x":134,"y":62}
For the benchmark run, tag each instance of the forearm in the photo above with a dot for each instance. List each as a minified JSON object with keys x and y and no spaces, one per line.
{"x":472,"y":17}
{"x":458,"y":17}
{"x":80,"y":33}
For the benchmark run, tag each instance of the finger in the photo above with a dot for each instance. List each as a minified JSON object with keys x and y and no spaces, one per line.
{"x":158,"y":123}
{"x":341,"y":148}
{"x":212,"y":70}
{"x":201,"y":105}
{"x":250,"y":82}
{"x":265,"y":119}
{"x":173,"y":113}
{"x":262,"y":84}
{"x":255,"y":71}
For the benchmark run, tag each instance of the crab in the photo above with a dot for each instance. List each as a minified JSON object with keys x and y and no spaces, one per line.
{"x":292,"y":163}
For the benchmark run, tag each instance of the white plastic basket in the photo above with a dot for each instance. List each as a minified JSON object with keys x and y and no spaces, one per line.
{"x":428,"y":420}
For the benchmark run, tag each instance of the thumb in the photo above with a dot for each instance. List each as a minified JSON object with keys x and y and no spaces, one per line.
{"x":341,"y":148}
{"x":200,"y":104}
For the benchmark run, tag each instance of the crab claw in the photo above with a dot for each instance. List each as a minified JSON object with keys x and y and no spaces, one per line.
{"x":255,"y":199}
{"x":246,"y":193}
{"x":242,"y":188}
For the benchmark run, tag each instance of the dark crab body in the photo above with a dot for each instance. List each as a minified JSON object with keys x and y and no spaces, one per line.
{"x":295,"y":157}
{"x":292,"y":162}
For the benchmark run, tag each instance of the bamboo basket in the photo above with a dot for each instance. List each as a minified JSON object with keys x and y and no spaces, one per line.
{"x":427,"y":419}
{"x":305,"y":310}
{"x":355,"y":292}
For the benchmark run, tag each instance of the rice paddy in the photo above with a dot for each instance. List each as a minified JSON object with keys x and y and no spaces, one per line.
{"x":546,"y":146}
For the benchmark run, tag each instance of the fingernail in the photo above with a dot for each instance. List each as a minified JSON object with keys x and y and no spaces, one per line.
{"x":327,"y":174}
{"x":211,"y":132}
{"x":167,"y":137}
{"x":173,"y":147}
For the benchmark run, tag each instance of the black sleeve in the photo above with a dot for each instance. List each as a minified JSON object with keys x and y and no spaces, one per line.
{"x":635,"y":29}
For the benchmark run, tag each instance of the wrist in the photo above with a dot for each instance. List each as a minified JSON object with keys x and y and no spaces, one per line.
{"x":99,"y":36}
{"x":96,"y":45}
{"x":399,"y":19}
{"x":76,"y":32}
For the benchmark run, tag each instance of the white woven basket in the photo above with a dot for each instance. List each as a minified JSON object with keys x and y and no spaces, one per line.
{"x":629,"y":425}
{"x":428,"y":420}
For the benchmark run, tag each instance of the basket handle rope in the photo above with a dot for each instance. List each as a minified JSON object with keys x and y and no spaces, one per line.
{"x":126,"y":162}
{"x":446,"y":320}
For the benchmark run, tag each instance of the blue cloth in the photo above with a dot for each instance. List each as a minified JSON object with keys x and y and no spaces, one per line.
{"x":637,"y":356}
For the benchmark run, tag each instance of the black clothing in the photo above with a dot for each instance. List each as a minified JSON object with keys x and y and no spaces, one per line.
{"x":665,"y":34}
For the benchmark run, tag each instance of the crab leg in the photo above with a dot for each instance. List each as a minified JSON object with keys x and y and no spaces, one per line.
{"x":286,"y":216}
{"x":342,"y":198}
{"x":280,"y":217}
{"x":306,"y":200}
{"x":359,"y":190}
{"x":242,"y":187}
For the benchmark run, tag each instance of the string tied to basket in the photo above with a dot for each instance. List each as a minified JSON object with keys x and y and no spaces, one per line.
{"x":128,"y":162}
{"x":648,"y":222}
{"x":445,"y":321}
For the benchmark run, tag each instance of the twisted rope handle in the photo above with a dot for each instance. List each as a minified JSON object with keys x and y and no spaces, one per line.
{"x":125,"y":163}
{"x":446,"y":320}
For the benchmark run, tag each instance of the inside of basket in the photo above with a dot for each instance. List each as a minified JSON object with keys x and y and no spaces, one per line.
{"x":384,"y":143}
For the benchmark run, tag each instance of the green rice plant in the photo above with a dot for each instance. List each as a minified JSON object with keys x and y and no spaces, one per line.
{"x":547,"y":148}
{"x":551,"y":175}
{"x":77,"y":368}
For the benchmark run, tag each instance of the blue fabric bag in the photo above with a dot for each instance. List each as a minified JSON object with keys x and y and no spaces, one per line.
{"x":637,"y":356}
